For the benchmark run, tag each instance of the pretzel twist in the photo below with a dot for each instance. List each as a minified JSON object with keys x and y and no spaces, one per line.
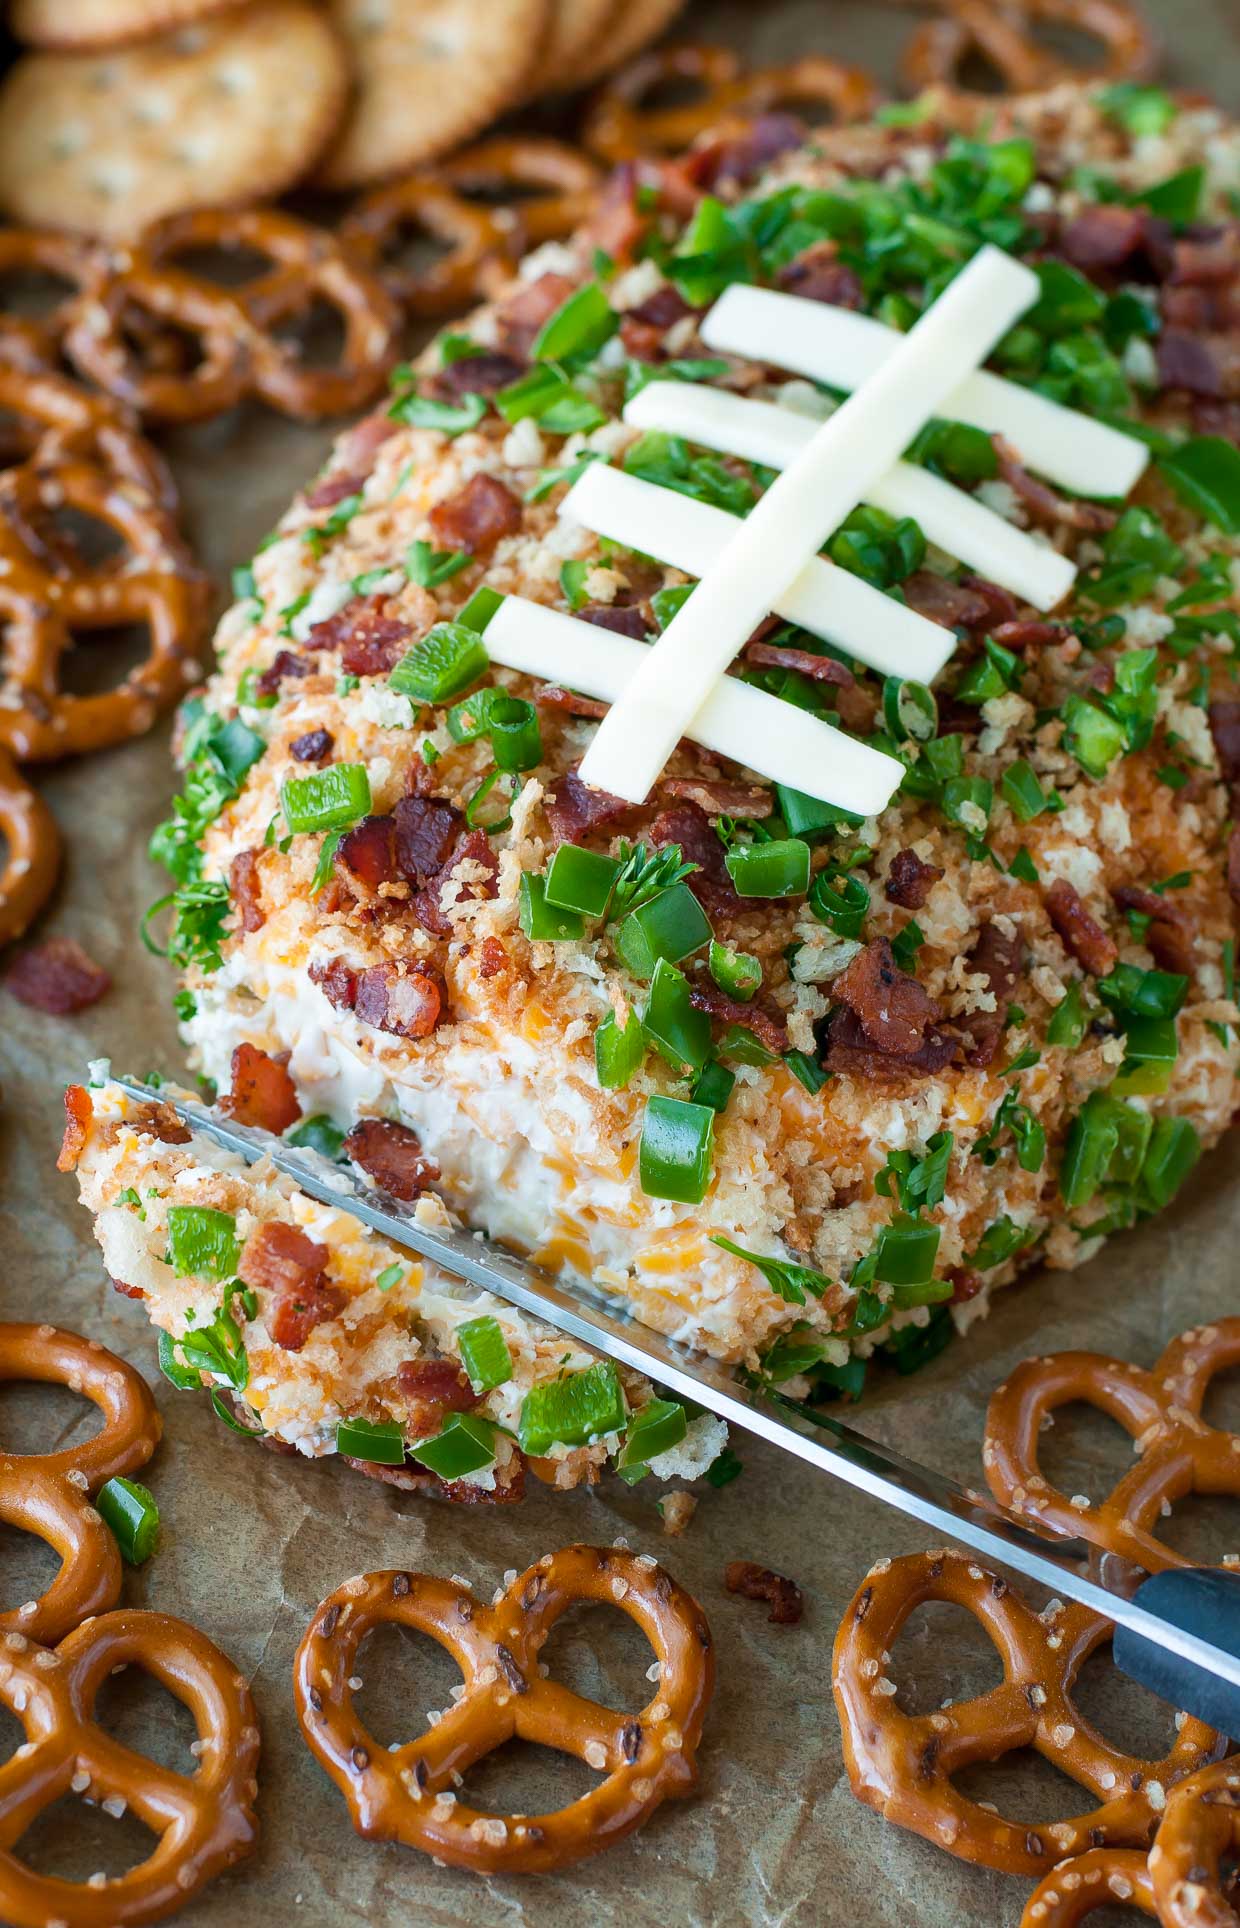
{"x":1178,"y":1453}
{"x":57,"y":419}
{"x":100,"y":340}
{"x":407,"y":1794}
{"x":480,"y":243}
{"x":204,"y":1821}
{"x":35,"y":343}
{"x":562,"y":183}
{"x":936,"y":51}
{"x":32,"y":852}
{"x":48,"y":593}
{"x":622,"y":125}
{"x":1100,"y":1878}
{"x":1201,"y":1826}
{"x":904,"y":1765}
{"x":47,"y":1493}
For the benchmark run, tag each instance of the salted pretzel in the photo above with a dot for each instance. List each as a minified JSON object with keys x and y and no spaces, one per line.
{"x":49,"y":594}
{"x":103,"y":344}
{"x":56,"y":417}
{"x":1003,"y":34}
{"x":623,"y":125}
{"x":32,"y":852}
{"x":1201,"y":1827}
{"x":34,"y":342}
{"x":904,"y":1765}
{"x":48,"y":1494}
{"x":409,"y":1795}
{"x":308,"y":265}
{"x":1099,"y":1878}
{"x":203,"y":1821}
{"x":480,"y":243}
{"x":1177,"y":1451}
{"x":546,"y":187}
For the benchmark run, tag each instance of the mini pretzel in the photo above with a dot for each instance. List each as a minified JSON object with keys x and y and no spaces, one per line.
{"x":35,"y":342}
{"x":308,"y":265}
{"x":936,"y":51}
{"x":563,"y":183}
{"x":1178,"y":1452}
{"x":59,"y":418}
{"x":479,"y":242}
{"x":1100,"y":1878}
{"x":99,"y":346}
{"x":204,"y":1821}
{"x":1201,"y":1827}
{"x":904,"y":1765}
{"x":32,"y":852}
{"x":46,"y":1493}
{"x":408,"y":1794}
{"x":621,"y":127}
{"x":45,"y":600}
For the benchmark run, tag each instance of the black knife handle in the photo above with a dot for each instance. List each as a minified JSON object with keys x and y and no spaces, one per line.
{"x":1200,"y":1600}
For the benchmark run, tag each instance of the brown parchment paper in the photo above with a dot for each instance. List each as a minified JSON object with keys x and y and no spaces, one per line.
{"x":252,"y":1542}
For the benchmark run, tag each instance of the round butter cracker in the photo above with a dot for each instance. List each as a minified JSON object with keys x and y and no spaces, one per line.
{"x":575,"y":35}
{"x":69,"y":24}
{"x":428,"y":74}
{"x":634,"y":27}
{"x":208,"y":115}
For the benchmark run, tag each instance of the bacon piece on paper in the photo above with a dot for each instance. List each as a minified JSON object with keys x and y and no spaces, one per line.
{"x":78,"y":1113}
{"x":476,"y":516}
{"x":910,"y":879}
{"x":285,"y":1261}
{"x":760,"y":1583}
{"x":1079,"y":932}
{"x":391,"y":1154}
{"x":261,"y":1093}
{"x":58,"y":977}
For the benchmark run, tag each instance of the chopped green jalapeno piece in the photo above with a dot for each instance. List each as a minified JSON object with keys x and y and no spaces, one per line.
{"x":580,"y":880}
{"x":1150,"y":1041}
{"x":811,"y":817}
{"x":391,"y":1275}
{"x":466,"y":1445}
{"x":1205,"y":473}
{"x":618,"y":1050}
{"x":714,"y":1085}
{"x":842,"y":903}
{"x":777,"y":869}
{"x":572,"y":1410}
{"x":998,"y":1243}
{"x":1147,"y":994}
{"x":671,"y":1023}
{"x":906,"y":1250}
{"x":735,"y":972}
{"x":1174,"y":1149}
{"x":1093,"y":737}
{"x":541,"y":921}
{"x":516,"y":739}
{"x":379,"y":1441}
{"x":910,"y":710}
{"x":1093,"y":1139}
{"x":1142,"y":110}
{"x":316,"y":1134}
{"x":329,"y":799}
{"x":202,"y":1243}
{"x":580,"y":326}
{"x":805,"y":1071}
{"x":184,"y":1378}
{"x":480,"y":608}
{"x":484,"y":1353}
{"x":1177,"y":198}
{"x":448,"y":658}
{"x":677,"y":1148}
{"x":654,"y":1430}
{"x":130,"y":1513}
{"x":1022,"y":791}
{"x":429,"y":567}
{"x":450,"y":418}
{"x":670,"y":926}
{"x":1068,"y":1023}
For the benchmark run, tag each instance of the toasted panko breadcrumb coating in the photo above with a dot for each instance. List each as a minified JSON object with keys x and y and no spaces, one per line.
{"x":1008,"y":920}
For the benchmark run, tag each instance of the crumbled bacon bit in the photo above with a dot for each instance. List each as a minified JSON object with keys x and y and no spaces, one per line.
{"x":523,"y":314}
{"x":367,"y":852}
{"x":999,"y":958}
{"x":285,"y":663}
{"x":820,"y":275}
{"x":1233,"y":864}
{"x":434,"y":1388}
{"x":910,"y":879}
{"x":552,"y":697}
{"x":717,"y":797}
{"x":760,"y":1583}
{"x":334,"y":488}
{"x":894,"y":1010}
{"x":245,"y":889}
{"x":476,"y":516}
{"x":741,"y":157}
{"x":642,"y":328}
{"x":686,"y":825}
{"x":338,"y":982}
{"x":473,"y":851}
{"x":391,"y":1154}
{"x":617,"y":223}
{"x":426,"y":830}
{"x":1082,"y":934}
{"x":851,"y":1052}
{"x":406,"y":1004}
{"x":1171,"y":930}
{"x":1104,"y":235}
{"x":573,"y":808}
{"x":1044,"y":503}
{"x":370,"y":642}
{"x":261,"y":1093}
{"x":78,"y":1114}
{"x":127,"y":1291}
{"x":285,"y":1261}
{"x":623,"y":619}
{"x":313,"y":747}
{"x":493,"y":959}
{"x":1224,"y":718}
{"x":1192,"y":362}
{"x":1001,"y":604}
{"x":821,"y":669}
{"x":57,"y":976}
{"x":1029,"y":633}
{"x":475,"y":375}
{"x":769,"y":1030}
{"x":956,"y":605}
{"x":965,"y":1284}
{"x":360,"y":444}
{"x":159,"y":1120}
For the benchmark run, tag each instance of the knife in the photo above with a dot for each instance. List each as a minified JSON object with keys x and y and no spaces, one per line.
{"x":1176,"y":1632}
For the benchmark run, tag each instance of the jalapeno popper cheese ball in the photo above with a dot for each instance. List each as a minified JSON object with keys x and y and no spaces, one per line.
{"x":316,"y":1335}
{"x":797,"y":1081}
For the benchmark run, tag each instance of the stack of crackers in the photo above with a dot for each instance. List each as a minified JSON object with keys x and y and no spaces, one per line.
{"x":121,"y":111}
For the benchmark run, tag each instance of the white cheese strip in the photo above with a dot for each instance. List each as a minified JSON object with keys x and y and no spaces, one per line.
{"x":775,"y":738}
{"x":827,"y":601}
{"x":790,"y":523}
{"x":956,"y":521}
{"x":843,"y":349}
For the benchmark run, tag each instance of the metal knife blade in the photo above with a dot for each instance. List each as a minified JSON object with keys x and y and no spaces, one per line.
{"x":597,"y":1320}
